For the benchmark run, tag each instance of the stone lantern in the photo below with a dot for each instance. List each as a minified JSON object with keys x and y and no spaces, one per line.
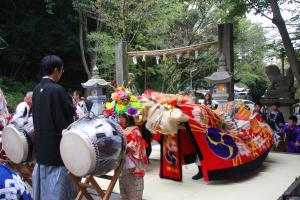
{"x":95,"y":87}
{"x":220,"y":79}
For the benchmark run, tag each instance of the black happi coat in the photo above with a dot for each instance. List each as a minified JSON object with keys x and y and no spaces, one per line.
{"x":52,"y":111}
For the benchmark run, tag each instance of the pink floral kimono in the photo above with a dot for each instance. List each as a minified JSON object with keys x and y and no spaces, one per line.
{"x":132,"y":177}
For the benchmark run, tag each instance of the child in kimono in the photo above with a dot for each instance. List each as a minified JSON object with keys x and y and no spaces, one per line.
{"x":292,"y":135}
{"x":131,"y":180}
{"x":276,"y":121}
{"x":275,"y":118}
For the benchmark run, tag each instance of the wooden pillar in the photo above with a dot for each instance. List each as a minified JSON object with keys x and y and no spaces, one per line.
{"x":121,"y":63}
{"x":226,"y":47}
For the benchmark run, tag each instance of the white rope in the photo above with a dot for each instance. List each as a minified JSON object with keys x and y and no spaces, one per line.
{"x":178,"y":55}
{"x":172,"y":51}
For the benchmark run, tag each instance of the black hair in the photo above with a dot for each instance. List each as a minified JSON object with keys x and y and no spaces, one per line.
{"x":78,"y":92}
{"x":258,"y":103}
{"x":293,"y":118}
{"x":277,"y":104}
{"x":129,"y":120}
{"x":49,"y":63}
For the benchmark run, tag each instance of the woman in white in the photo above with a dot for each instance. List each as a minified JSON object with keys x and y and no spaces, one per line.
{"x":79,"y":103}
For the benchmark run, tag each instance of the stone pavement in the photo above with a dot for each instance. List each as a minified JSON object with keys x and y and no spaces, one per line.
{"x":267,"y":183}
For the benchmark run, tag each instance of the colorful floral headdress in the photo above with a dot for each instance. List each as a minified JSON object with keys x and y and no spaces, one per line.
{"x":124,"y":103}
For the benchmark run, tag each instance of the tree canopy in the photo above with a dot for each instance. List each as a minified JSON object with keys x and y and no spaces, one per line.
{"x":84,"y":33}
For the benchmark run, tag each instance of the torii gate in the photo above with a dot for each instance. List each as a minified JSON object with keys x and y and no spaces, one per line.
{"x":225,"y":41}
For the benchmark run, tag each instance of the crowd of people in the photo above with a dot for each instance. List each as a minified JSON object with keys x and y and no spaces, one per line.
{"x":53,"y":109}
{"x":286,"y":135}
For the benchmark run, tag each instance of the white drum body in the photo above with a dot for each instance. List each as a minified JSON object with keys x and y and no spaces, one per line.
{"x":92,"y":146}
{"x":18,"y":140}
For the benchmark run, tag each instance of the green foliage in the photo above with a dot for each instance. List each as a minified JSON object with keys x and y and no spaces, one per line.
{"x":49,"y":6}
{"x":83,"y":6}
{"x":51,"y":26}
{"x":250,"y":52}
{"x":14,"y":91}
{"x":103,"y":46}
{"x":173,"y":25}
{"x":148,"y":25}
{"x":297,"y":93}
{"x":31,"y":33}
{"x":257,"y":89}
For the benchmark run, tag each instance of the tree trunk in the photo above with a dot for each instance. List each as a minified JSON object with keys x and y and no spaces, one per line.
{"x":290,"y":51}
{"x":86,"y":68}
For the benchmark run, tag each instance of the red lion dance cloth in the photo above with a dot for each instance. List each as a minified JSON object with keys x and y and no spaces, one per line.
{"x":231,"y":143}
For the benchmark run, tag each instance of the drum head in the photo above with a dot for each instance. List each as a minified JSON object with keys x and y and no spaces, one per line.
{"x":14,"y":144}
{"x":77,"y":153}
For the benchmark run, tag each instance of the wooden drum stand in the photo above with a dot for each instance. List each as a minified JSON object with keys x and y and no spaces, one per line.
{"x":90,"y":182}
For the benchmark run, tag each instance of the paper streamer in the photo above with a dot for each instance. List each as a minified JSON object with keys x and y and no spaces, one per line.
{"x":134,"y":60}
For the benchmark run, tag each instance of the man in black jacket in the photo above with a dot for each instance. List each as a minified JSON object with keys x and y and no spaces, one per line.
{"x":52,"y":111}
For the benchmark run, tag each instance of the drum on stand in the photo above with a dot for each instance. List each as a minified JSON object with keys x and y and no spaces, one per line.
{"x":18,"y":140}
{"x":92,"y":146}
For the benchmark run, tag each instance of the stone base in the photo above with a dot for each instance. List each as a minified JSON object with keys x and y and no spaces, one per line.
{"x":98,"y":104}
{"x":221,"y":98}
{"x":286,"y":106}
{"x":222,"y":103}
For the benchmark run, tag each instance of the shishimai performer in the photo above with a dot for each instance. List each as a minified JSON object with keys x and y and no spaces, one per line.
{"x":52,"y":112}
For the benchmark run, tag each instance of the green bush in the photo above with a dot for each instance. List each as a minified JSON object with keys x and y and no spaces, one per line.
{"x":256,"y":83}
{"x":257,"y":89}
{"x":14,"y":91}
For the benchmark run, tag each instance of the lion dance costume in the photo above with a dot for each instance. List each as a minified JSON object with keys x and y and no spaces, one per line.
{"x":228,"y":143}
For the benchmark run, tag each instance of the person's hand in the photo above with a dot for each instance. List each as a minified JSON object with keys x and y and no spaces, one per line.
{"x":297,"y":144}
